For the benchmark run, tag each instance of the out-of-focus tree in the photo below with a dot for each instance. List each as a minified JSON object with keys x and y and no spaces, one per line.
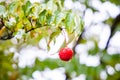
{"x":24,"y":23}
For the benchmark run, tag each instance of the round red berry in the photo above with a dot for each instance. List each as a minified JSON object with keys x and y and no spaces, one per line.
{"x":65,"y":54}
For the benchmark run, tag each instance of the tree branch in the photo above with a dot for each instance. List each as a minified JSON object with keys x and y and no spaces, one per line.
{"x":1,"y":23}
{"x":9,"y":33}
{"x":113,"y":27}
{"x":77,"y":42}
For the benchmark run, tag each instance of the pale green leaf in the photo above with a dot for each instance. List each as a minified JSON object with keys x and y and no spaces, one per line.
{"x":59,"y":17}
{"x":13,"y":7}
{"x":79,"y":24}
{"x":69,"y":22}
{"x":54,"y":34}
{"x":2,"y":9}
{"x":51,"y":6}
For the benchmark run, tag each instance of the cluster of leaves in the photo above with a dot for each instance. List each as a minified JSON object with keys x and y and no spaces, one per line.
{"x":40,"y":20}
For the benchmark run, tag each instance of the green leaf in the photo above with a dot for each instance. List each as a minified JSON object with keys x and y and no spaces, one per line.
{"x":69,"y":22}
{"x":9,"y":24}
{"x":80,"y":25}
{"x":27,"y":24}
{"x":35,"y":10}
{"x":59,"y":17}
{"x":50,"y":19}
{"x":13,"y":7}
{"x":71,"y":37}
{"x":42,"y":17}
{"x":19,"y":25}
{"x":54,"y":34}
{"x":27,"y":8}
{"x":2,"y":10}
{"x":51,"y":6}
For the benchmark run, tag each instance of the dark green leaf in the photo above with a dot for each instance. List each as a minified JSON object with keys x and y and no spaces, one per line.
{"x":42,"y":17}
{"x":27,"y":8}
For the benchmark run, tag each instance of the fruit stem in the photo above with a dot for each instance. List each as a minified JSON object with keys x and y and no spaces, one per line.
{"x":64,"y":34}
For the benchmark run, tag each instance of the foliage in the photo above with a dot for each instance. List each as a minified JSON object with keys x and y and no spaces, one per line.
{"x":37,"y":19}
{"x":27,"y":23}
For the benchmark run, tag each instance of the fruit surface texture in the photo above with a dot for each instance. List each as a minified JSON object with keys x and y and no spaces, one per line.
{"x":65,"y":54}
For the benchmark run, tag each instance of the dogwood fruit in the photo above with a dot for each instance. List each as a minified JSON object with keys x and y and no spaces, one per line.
{"x":65,"y":54}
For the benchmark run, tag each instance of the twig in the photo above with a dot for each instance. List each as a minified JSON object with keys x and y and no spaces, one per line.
{"x":113,"y":27}
{"x":77,"y":42}
{"x":31,"y":29}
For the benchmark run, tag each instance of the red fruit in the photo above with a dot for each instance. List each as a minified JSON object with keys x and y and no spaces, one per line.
{"x":65,"y":54}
